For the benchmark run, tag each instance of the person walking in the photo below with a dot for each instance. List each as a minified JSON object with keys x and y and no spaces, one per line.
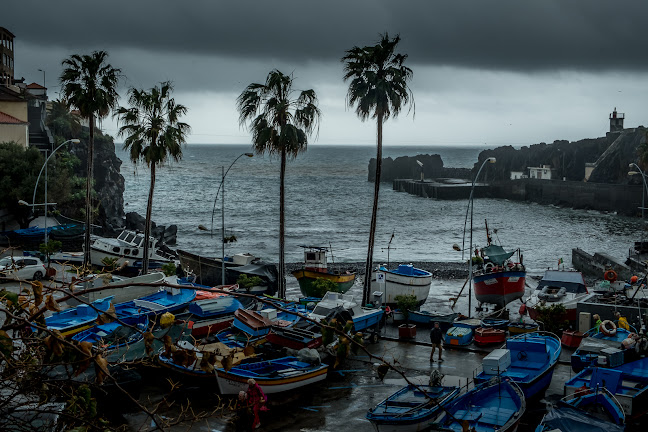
{"x":256,"y":399}
{"x":436,"y":338}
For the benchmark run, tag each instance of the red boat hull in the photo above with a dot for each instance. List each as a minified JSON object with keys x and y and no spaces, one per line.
{"x":489,"y":336}
{"x":571,"y":338}
{"x":210,"y":326}
{"x":499,"y":288}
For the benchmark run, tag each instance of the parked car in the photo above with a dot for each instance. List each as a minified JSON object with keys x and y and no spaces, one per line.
{"x":22,"y":267}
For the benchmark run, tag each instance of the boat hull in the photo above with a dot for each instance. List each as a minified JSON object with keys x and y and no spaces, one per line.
{"x":230,"y":383}
{"x":499,"y":288}
{"x":489,"y":336}
{"x":458,"y":337}
{"x":397,"y":285}
{"x":421,"y":317}
{"x":517,"y":329}
{"x":306,"y":278}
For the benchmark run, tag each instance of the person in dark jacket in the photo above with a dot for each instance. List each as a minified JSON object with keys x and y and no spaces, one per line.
{"x":436,"y":337}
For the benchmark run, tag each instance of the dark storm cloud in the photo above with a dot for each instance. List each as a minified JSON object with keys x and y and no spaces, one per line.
{"x":517,"y":35}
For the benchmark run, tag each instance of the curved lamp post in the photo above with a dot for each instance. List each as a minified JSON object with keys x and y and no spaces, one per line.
{"x":644,"y":190}
{"x":44,"y":167}
{"x":222,"y":186}
{"x":470,"y":205}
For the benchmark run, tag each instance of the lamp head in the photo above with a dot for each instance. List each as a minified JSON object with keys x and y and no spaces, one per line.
{"x":631,"y":173}
{"x":249,"y":154}
{"x":456,"y":247}
{"x":75,"y":140}
{"x":419,"y":163}
{"x":23,"y":203}
{"x":491,"y":160}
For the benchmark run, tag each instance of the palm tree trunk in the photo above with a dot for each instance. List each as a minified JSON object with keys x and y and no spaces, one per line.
{"x":374,"y":214}
{"x":88,"y":203}
{"x":147,"y":222}
{"x":282,"y":208}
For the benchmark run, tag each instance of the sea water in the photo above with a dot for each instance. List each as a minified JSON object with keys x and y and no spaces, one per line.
{"x":328,"y":203}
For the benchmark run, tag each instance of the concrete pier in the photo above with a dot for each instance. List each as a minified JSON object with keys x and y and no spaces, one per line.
{"x":439,"y":190}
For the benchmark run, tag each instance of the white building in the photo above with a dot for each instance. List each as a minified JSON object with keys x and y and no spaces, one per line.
{"x":545,"y":172}
{"x":516,"y":175}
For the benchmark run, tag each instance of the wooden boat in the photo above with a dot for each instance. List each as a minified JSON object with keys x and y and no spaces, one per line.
{"x":192,"y":364}
{"x":498,"y":279}
{"x":520,"y":328}
{"x":316,"y":267}
{"x":363,"y":318}
{"x":495,"y":406}
{"x":458,"y":336}
{"x":82,"y":317}
{"x":273,"y":376}
{"x":404,"y":280}
{"x":411,"y":408}
{"x":212,"y":315}
{"x":484,"y":336}
{"x":115,"y":335}
{"x":590,"y":410}
{"x":259,"y":323}
{"x":571,"y":338}
{"x":528,"y":359}
{"x":429,"y":318}
{"x":167,"y":300}
{"x":566,"y":287}
{"x":497,"y":323}
{"x":599,"y":349}
{"x":628,"y":383}
{"x":208,"y":271}
{"x":294,"y":338}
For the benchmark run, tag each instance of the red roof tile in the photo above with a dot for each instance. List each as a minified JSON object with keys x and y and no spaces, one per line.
{"x":36,"y":86}
{"x":8,"y":119}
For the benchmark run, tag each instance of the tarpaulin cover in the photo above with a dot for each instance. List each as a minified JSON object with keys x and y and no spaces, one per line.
{"x":497,"y":254}
{"x":568,"y":419}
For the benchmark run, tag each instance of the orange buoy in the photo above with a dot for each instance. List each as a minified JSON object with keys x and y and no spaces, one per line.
{"x":610,"y":275}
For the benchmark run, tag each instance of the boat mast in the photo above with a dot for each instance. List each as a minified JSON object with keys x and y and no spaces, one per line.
{"x":389,"y":246}
{"x":488,"y":237}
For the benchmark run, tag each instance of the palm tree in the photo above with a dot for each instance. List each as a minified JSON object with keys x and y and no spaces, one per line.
{"x":89,"y":84}
{"x":280,"y":124}
{"x":378,"y":89}
{"x":154,"y":133}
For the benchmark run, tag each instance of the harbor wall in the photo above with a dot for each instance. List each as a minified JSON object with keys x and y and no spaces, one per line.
{"x":597,"y":264}
{"x":620,"y":198}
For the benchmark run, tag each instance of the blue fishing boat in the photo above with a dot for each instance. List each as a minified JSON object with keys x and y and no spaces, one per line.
{"x":273,"y":376}
{"x":212,"y":315}
{"x":587,"y":411}
{"x":497,"y":323}
{"x":429,"y":318}
{"x":363,"y":318}
{"x":116,"y":334}
{"x":74,"y":320}
{"x":528,"y":359}
{"x":462,"y":332}
{"x":411,"y":408}
{"x":628,"y":383}
{"x":167,"y":300}
{"x":493,"y":406}
{"x":600,"y":349}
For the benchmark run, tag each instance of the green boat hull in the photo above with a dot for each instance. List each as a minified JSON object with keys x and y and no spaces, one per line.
{"x":306,"y":280}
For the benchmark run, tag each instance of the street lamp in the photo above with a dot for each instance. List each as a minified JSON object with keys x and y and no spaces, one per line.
{"x":43,"y":70}
{"x":222,"y":186}
{"x":470,"y":247}
{"x":73,"y":140}
{"x":644,"y":189}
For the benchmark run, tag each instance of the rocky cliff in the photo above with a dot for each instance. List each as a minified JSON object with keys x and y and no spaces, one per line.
{"x":406,"y":167}
{"x":610,"y":154}
{"x":109,"y":183}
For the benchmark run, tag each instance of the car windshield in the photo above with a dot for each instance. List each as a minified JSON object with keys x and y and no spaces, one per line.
{"x":6,"y":261}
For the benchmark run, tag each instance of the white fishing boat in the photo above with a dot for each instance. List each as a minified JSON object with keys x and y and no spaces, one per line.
{"x":405,"y":280}
{"x":127,"y":247}
{"x":363,"y":318}
{"x":566,"y":287}
{"x":132,"y":288}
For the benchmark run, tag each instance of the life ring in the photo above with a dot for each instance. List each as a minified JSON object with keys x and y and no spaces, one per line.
{"x":489,"y":267}
{"x":610,"y":275}
{"x":608,"y":328}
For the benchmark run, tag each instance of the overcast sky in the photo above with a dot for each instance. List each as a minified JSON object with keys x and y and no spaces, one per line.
{"x":485,"y":72}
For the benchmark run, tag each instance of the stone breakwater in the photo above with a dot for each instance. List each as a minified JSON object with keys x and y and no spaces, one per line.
{"x":439,"y":270}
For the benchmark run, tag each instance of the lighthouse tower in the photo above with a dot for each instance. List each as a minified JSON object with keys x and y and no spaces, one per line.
{"x":616,"y":121}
